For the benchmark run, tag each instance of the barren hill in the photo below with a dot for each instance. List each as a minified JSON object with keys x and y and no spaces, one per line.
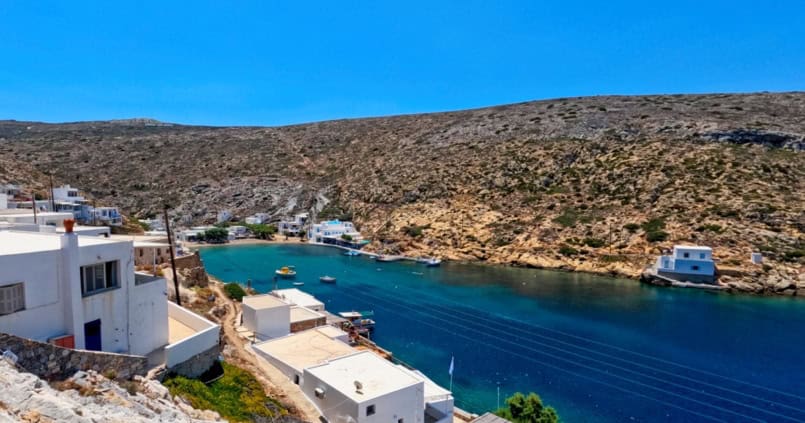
{"x":594,"y":184}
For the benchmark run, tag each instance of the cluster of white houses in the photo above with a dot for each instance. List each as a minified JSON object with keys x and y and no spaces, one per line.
{"x":64,"y":199}
{"x":82,"y":292}
{"x":344,"y":383}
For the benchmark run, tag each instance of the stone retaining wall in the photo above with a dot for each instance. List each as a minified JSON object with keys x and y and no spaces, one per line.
{"x":198,"y":364}
{"x":56,"y":363}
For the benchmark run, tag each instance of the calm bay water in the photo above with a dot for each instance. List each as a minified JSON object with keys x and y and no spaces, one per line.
{"x":597,"y":349}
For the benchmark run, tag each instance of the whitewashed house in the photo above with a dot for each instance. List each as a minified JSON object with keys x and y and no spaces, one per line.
{"x":266,"y":316}
{"x":364,"y":387}
{"x":292,"y":227}
{"x":335,"y":232}
{"x":688,"y":264}
{"x":67,"y":199}
{"x":296,"y":297}
{"x":82,"y":292}
{"x":109,"y":216}
{"x":223,"y":216}
{"x":3,"y":200}
{"x":257,"y":219}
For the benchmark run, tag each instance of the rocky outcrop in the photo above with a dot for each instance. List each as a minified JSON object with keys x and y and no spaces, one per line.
{"x":90,"y":397}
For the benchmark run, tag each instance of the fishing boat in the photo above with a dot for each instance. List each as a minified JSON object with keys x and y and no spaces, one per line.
{"x":286,"y":272}
{"x":433,"y":262}
{"x":387,"y":259}
{"x":298,"y":283}
{"x":359,"y":319}
{"x":352,"y":253}
{"x":327,"y":279}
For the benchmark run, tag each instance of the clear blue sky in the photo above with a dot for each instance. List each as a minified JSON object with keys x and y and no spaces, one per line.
{"x":271,"y":63}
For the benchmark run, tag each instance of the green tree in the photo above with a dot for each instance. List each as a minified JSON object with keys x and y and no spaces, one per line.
{"x":216,"y":235}
{"x":527,"y":409}
{"x":262,"y":231}
{"x":347,"y":238}
{"x":234,"y":291}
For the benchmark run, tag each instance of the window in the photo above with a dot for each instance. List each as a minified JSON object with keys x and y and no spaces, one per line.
{"x":98,"y":277}
{"x":400,"y":420}
{"x":12,"y":298}
{"x":701,"y":256}
{"x":695,"y":267}
{"x":370,"y":410}
{"x":686,"y":255}
{"x":141,"y":251}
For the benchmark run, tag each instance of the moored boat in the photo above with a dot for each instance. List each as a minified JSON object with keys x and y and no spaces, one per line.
{"x":298,"y":283}
{"x":327,"y":279}
{"x":359,"y":319}
{"x":352,"y":253}
{"x":286,"y":272}
{"x":387,"y":258}
{"x":433,"y":262}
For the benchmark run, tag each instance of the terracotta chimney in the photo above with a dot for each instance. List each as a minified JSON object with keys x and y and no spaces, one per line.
{"x":68,"y":225}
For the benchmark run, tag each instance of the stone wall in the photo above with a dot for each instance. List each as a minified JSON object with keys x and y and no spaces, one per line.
{"x":197,"y":365}
{"x":191,"y":270}
{"x":189,"y":261}
{"x":56,"y":363}
{"x":308,"y":324}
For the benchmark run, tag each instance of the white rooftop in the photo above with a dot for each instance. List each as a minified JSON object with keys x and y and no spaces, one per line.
{"x":298,"y":297}
{"x":264,"y":301}
{"x":692,"y":247}
{"x":304,"y":349}
{"x":12,"y":242}
{"x":377,"y":376}
{"x":301,"y":314}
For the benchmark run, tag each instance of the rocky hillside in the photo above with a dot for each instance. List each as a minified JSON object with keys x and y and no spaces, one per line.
{"x":594,"y":184}
{"x":89,"y":397}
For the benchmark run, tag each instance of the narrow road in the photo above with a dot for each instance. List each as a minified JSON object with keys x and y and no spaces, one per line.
{"x":276,"y":384}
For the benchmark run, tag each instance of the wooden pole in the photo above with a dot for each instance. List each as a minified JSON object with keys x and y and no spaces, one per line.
{"x":52,"y":200}
{"x":173,"y":258}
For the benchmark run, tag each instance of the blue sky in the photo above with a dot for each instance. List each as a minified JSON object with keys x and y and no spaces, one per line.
{"x":273,"y":63}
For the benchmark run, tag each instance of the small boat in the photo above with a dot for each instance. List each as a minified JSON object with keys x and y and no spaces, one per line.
{"x":327,"y":279}
{"x":433,"y":262}
{"x":286,"y":272}
{"x":359,"y":319}
{"x":298,"y":283}
{"x":387,"y":259}
{"x":352,"y":253}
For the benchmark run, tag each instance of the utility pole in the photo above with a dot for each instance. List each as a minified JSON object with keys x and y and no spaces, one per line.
{"x":173,"y":258}
{"x":52,"y":200}
{"x":610,"y":238}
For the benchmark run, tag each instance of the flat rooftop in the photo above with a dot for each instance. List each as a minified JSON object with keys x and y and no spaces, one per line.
{"x":304,"y":349}
{"x":12,"y":242}
{"x":330,"y":331}
{"x":264,"y":301}
{"x":301,"y":314}
{"x":298,"y":297}
{"x":693,"y":247}
{"x":178,"y":331}
{"x":377,"y":376}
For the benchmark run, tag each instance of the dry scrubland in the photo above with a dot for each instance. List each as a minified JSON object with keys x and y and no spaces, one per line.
{"x":594,"y":184}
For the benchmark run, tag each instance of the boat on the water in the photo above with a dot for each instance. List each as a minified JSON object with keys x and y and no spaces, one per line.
{"x":286,"y":272}
{"x":387,"y":258}
{"x":327,"y":279}
{"x":433,"y":262}
{"x":352,"y":253}
{"x":298,"y":283}
{"x":359,"y":319}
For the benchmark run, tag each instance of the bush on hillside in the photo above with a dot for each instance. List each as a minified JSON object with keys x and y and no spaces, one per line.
{"x":656,"y":236}
{"x":234,"y":291}
{"x":527,"y":409}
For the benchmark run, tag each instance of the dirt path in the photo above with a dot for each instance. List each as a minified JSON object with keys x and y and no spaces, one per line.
{"x":276,"y":384}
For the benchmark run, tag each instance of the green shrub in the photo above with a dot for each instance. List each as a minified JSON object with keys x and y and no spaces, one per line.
{"x":631,"y":227}
{"x":594,"y":242}
{"x":216,"y":235}
{"x":527,"y":409}
{"x":414,"y":231}
{"x":656,"y":236}
{"x":711,"y":228}
{"x":613,"y":258}
{"x":794,"y":255}
{"x":237,"y":396}
{"x":567,"y":219}
{"x":346,"y":237}
{"x":234,"y":291}
{"x":567,"y":250}
{"x":653,"y":225}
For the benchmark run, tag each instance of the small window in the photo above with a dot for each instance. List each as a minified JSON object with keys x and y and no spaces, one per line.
{"x":296,"y":379}
{"x":400,"y":420}
{"x":370,"y":410}
{"x":98,"y":277}
{"x":141,"y":252}
{"x":12,"y":298}
{"x":686,"y":255}
{"x":701,"y":256}
{"x":695,"y":267}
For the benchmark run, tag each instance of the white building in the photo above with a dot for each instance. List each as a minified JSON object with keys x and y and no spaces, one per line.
{"x":296,"y":297}
{"x":292,"y":226}
{"x":3,"y":201}
{"x":294,"y":353}
{"x":257,"y":219}
{"x":107,"y":216}
{"x":223,"y":216}
{"x":55,"y":219}
{"x":82,"y":292}
{"x":237,"y":231}
{"x":335,"y":232}
{"x":266,"y":316}
{"x":68,"y":194}
{"x":157,"y":225}
{"x":364,"y":387}
{"x":688,"y":263}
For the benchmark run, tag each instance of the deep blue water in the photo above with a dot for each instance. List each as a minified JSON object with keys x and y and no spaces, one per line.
{"x":595,"y":348}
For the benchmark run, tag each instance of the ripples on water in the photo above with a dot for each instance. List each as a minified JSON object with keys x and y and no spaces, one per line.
{"x":597,"y":349}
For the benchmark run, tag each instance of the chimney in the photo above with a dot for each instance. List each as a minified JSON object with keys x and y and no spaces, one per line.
{"x":70,"y":289}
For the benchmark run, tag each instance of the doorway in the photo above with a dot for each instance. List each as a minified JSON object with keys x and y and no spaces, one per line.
{"x":92,"y":335}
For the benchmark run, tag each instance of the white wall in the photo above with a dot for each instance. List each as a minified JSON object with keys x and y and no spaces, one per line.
{"x":206,"y":338}
{"x":407,"y":404}
{"x":287,"y":370}
{"x":148,"y":324}
{"x":40,"y":274}
{"x":268,"y":322}
{"x":3,"y":201}
{"x":111,"y":306}
{"x":335,"y":406}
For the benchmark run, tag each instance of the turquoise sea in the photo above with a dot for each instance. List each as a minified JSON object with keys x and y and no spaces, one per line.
{"x":595,"y":348}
